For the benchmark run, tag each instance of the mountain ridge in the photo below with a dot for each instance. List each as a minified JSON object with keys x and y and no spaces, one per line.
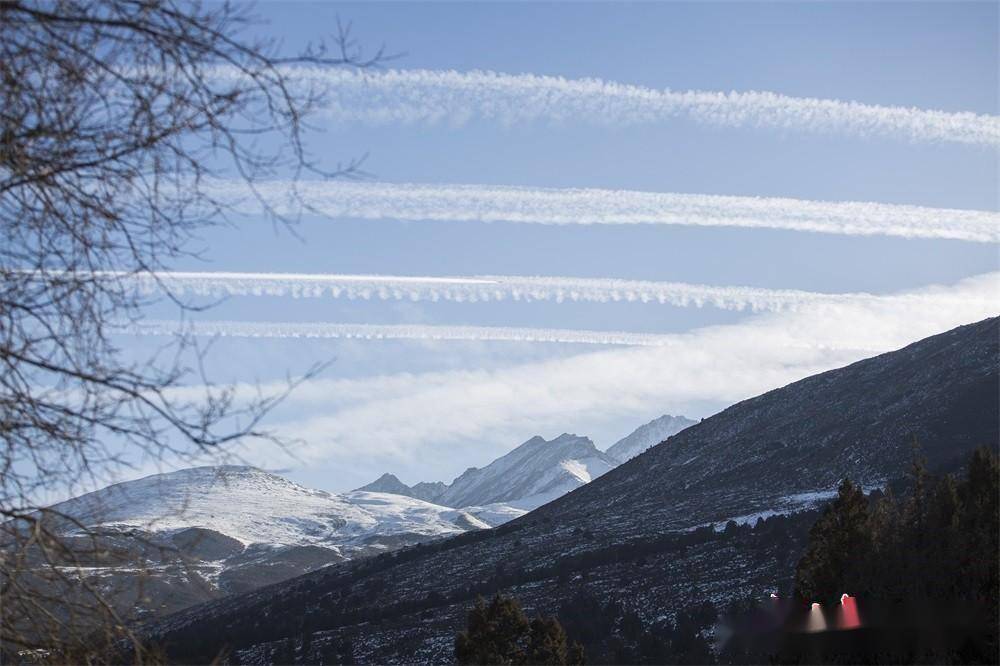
{"x":529,"y":475}
{"x":272,"y":509}
{"x":647,"y":435}
{"x":570,"y":459}
{"x":204,"y":532}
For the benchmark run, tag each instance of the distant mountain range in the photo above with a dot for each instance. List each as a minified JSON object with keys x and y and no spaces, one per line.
{"x":534,"y":473}
{"x":255,"y":507}
{"x":212,"y":531}
{"x":656,"y":533}
{"x":206,"y":532}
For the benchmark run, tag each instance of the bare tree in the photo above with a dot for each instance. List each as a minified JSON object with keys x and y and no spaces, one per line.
{"x":114,"y":115}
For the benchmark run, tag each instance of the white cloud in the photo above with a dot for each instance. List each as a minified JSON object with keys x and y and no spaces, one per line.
{"x":427,"y":96}
{"x":488,"y":203}
{"x":433,"y":419}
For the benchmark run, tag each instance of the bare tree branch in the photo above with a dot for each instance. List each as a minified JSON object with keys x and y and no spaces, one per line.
{"x":113,"y":115}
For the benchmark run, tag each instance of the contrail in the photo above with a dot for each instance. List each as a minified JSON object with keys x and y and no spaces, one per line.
{"x":429,"y":96}
{"x":490,"y":288}
{"x":285,"y":329}
{"x":488,"y":203}
{"x":338,"y":330}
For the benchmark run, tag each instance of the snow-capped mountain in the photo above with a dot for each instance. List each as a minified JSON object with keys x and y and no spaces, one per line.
{"x":536,"y":472}
{"x":253,"y":506}
{"x":647,"y":435}
{"x":389,"y":483}
{"x":214,"y":530}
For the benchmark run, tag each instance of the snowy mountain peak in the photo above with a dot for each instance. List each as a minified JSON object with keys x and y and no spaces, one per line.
{"x":387,"y":483}
{"x":390,"y":483}
{"x":535,"y":472}
{"x":648,"y":435}
{"x":254,"y":506}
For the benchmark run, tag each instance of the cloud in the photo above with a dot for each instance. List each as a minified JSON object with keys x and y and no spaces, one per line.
{"x":494,"y":288}
{"x":428,"y":96}
{"x":420,"y":421}
{"x":488,"y":203}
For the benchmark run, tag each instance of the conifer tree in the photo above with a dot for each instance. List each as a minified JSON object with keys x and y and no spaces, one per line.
{"x":939,"y":543}
{"x":548,"y":642}
{"x":979,"y":527}
{"x":500,"y":633}
{"x":497,"y":633}
{"x":575,"y":656}
{"x":838,"y":539}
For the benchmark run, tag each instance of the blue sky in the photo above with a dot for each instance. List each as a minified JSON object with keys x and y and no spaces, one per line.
{"x":927,"y":55}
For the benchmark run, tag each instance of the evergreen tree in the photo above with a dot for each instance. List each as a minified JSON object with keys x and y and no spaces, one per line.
{"x":575,"y":656}
{"x":547,"y":643}
{"x":500,"y":633}
{"x":497,"y":633}
{"x":836,"y":541}
{"x":979,"y":542}
{"x":936,"y":548}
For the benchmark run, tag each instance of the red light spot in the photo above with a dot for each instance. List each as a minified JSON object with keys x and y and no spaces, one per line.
{"x":847,"y":614}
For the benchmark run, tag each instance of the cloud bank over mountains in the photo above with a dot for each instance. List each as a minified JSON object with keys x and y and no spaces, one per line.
{"x":413,"y":418}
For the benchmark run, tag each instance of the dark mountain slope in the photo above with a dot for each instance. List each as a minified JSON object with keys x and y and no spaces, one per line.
{"x":627,"y":535}
{"x":860,"y":421}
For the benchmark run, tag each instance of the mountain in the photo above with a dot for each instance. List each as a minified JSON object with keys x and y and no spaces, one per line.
{"x":225,"y":529}
{"x":256,"y":507}
{"x":428,"y":491}
{"x":645,"y":534}
{"x":389,"y":483}
{"x":532,"y":474}
{"x":647,"y":435}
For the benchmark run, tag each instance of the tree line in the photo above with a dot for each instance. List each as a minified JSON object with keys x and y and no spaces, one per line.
{"x":922,"y":564}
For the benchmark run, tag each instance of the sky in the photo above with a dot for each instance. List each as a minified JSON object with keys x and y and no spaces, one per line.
{"x":440,"y":116}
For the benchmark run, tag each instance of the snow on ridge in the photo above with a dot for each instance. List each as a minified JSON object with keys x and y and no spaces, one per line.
{"x":254,"y":506}
{"x":538,"y":467}
{"x":536,"y":472}
{"x":647,"y":435}
{"x":787,"y":505}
